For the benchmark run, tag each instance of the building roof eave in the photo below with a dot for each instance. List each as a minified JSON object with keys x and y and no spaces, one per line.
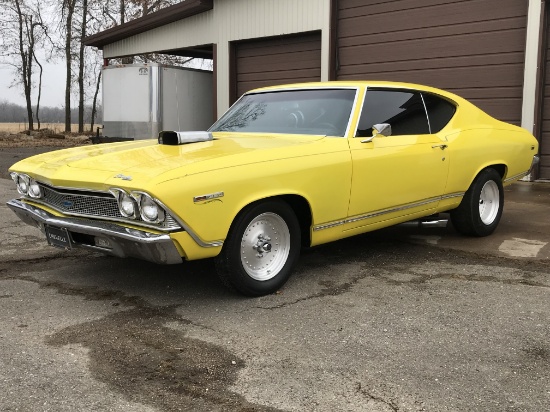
{"x":151,"y":21}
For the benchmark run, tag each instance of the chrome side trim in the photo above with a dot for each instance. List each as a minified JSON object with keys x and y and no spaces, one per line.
{"x":425,"y":110}
{"x":104,"y":237}
{"x":188,"y":229}
{"x":328,"y":225}
{"x":453,"y":195}
{"x":392,"y":210}
{"x":360,"y":112}
{"x":385,"y":211}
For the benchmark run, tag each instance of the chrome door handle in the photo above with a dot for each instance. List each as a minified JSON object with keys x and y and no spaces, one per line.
{"x":441,"y":146}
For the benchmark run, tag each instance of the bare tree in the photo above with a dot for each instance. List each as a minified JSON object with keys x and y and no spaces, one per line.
{"x":81,"y":63}
{"x":39,"y":89}
{"x":22,"y":29}
{"x":94,"y":103}
{"x":68,"y":9}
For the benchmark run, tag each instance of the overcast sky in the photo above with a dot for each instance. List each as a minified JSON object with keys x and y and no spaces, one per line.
{"x":53,"y":86}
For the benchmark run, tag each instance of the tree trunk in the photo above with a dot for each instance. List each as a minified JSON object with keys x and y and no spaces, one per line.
{"x":94,"y":104}
{"x":39,"y":91}
{"x":26,"y":62}
{"x":122,"y":11}
{"x":68,"y":60}
{"x":81,"y":64}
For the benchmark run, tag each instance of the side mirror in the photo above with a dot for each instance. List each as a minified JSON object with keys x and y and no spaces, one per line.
{"x":383,"y":129}
{"x":380,"y":129}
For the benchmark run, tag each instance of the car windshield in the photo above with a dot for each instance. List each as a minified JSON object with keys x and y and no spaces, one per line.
{"x":312,"y":111}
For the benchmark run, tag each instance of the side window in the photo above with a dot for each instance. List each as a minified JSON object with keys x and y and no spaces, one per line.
{"x":440,"y":111}
{"x":402,"y":109}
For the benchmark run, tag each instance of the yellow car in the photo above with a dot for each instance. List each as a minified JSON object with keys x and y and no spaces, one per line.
{"x":284,"y":167}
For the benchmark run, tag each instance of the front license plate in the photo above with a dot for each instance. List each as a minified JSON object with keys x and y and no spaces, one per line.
{"x":58,"y":237}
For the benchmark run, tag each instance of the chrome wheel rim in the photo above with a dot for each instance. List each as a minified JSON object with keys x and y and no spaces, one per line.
{"x":489,"y":202}
{"x":265,"y":246}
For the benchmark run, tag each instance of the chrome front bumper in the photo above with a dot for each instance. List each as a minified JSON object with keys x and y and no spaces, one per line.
{"x":104,"y":237}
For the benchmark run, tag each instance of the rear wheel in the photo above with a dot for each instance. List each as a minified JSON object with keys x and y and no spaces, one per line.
{"x":261,"y":249}
{"x":481,"y":208}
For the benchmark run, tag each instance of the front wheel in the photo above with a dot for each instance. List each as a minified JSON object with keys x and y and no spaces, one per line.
{"x":261,"y":249}
{"x":481,"y":208}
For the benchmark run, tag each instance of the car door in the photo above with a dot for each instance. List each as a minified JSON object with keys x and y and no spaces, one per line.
{"x":395,"y":174}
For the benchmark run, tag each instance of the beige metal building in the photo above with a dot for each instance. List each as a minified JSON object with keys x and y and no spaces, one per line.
{"x":492,"y":52}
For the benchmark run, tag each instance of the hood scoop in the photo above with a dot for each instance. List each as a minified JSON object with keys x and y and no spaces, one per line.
{"x":172,"y":138}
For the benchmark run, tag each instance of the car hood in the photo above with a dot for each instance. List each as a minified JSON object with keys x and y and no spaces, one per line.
{"x":146,"y":160}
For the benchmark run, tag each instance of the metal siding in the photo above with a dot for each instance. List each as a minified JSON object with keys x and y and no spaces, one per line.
{"x":475,"y":48}
{"x":231,"y":21}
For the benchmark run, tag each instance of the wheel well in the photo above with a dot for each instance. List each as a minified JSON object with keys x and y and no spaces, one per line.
{"x":301,"y":209}
{"x":500,"y":168}
{"x":303,"y":213}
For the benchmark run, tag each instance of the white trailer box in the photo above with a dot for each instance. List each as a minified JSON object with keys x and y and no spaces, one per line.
{"x":140,"y":100}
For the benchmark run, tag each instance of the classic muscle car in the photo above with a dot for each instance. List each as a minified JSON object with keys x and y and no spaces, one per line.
{"x":285,"y":167}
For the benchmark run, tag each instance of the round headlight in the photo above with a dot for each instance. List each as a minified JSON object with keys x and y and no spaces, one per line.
{"x":34,"y":189}
{"x":127,"y":206}
{"x":22,"y":182}
{"x":150,"y":210}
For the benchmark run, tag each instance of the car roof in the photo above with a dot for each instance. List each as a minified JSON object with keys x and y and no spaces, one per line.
{"x":361,"y":83}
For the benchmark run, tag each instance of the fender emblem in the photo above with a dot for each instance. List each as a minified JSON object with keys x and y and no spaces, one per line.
{"x":121,"y":176}
{"x":209,"y":196}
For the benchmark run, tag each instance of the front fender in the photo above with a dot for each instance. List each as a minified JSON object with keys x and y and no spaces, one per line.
{"x":323,"y":180}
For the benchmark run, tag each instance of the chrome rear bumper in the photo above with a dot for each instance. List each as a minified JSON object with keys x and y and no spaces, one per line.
{"x":108,"y":238}
{"x":536,"y":160}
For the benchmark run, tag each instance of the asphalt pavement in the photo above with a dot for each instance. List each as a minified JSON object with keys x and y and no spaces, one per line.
{"x":409,"y":318}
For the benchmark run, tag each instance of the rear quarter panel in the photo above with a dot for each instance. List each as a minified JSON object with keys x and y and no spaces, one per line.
{"x":474,"y":149}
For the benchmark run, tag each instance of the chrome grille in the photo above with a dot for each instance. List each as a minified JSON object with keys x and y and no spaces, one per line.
{"x":94,"y":204}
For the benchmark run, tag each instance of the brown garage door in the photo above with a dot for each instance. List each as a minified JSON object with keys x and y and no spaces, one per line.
{"x":277,"y":60}
{"x":544,"y":170}
{"x":474,"y":48}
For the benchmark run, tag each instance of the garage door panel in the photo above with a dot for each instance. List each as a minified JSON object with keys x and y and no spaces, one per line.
{"x":406,"y":18}
{"x":300,"y":61}
{"x":475,"y":48}
{"x":546,"y":124}
{"x":436,"y":10}
{"x":246,"y":86}
{"x":278,"y":75}
{"x":455,"y":78}
{"x":452,"y":63}
{"x":434,"y":48}
{"x":544,"y":170}
{"x":546,"y":109}
{"x":279,"y":48}
{"x":279,"y":60}
{"x":506,"y":108}
{"x":489,"y":93}
{"x":378,"y":37}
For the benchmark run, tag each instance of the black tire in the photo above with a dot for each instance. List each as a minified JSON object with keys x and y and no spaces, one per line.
{"x":261,"y":249}
{"x":479,"y":213}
